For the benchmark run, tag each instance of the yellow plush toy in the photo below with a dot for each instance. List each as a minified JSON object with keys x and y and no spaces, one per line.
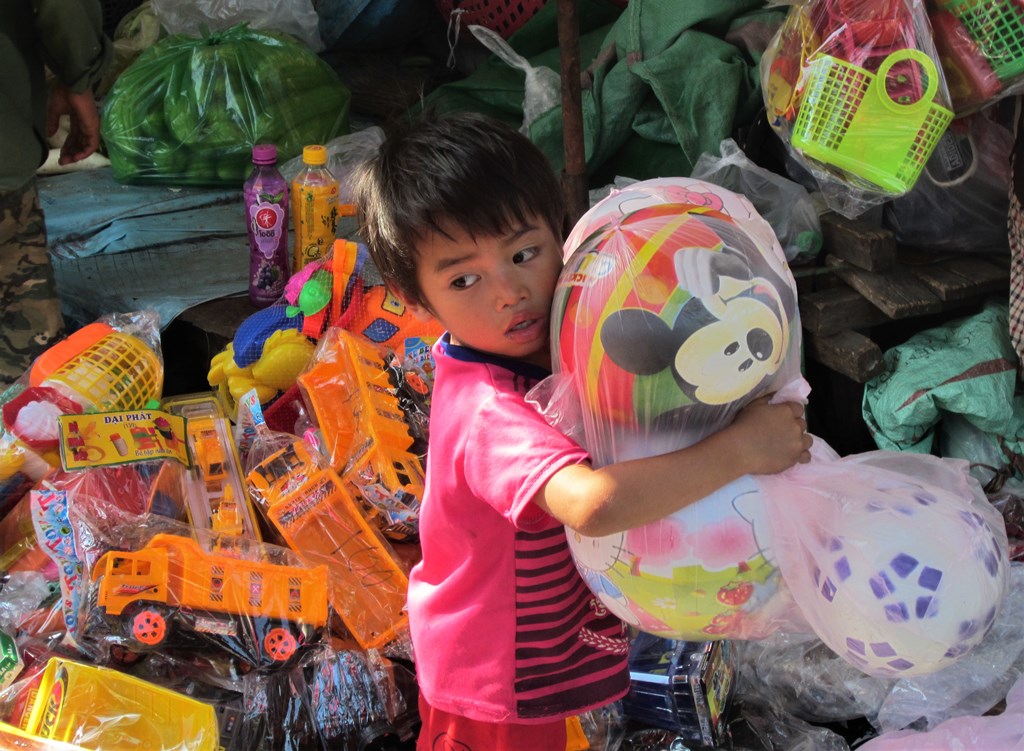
{"x":286,"y":353}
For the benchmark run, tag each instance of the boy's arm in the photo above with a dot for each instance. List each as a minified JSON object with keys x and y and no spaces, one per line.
{"x":764,"y":439}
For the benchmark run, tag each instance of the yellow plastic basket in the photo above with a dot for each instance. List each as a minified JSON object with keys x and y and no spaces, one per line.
{"x":101,"y":708}
{"x":116,"y":373}
{"x":848,"y":120}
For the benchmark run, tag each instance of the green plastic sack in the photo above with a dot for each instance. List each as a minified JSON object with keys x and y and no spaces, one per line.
{"x":189,"y":110}
{"x":965,"y":367}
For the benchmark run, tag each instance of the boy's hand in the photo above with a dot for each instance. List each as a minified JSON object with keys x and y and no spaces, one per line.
{"x":771,"y":437}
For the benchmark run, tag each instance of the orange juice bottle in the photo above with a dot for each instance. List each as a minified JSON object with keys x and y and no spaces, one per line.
{"x":314,"y":207}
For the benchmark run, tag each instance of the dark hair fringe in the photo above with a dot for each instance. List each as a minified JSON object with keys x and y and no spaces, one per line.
{"x":464,"y":169}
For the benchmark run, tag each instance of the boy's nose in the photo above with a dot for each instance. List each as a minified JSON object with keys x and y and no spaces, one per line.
{"x":511,"y":292}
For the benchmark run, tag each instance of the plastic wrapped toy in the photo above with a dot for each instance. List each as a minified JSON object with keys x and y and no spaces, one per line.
{"x":336,"y":700}
{"x":163,"y":591}
{"x":668,"y":318}
{"x":898,"y":561}
{"x":981,"y":46}
{"x":681,"y":686}
{"x":675,"y":309}
{"x":217,"y":499}
{"x":372,"y":417}
{"x":343,"y":290}
{"x":111,"y":364}
{"x":857,"y":92}
{"x":99,"y":708}
{"x":309,"y":506}
{"x":37,"y":536}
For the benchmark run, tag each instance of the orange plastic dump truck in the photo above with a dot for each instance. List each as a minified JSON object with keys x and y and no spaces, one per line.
{"x":263,"y":611}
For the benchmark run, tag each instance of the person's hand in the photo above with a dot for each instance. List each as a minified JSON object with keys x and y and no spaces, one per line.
{"x":771,"y":437}
{"x":84,"y":133}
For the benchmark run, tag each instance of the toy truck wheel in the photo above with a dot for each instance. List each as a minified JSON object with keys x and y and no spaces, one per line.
{"x":279,"y":644}
{"x":148,"y":626}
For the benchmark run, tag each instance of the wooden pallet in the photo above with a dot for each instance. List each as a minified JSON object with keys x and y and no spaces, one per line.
{"x":865,"y":280}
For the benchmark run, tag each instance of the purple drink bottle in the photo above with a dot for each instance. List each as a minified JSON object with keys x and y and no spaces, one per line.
{"x":266,"y":205}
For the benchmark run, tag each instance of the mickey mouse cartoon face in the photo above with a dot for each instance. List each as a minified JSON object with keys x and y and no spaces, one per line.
{"x":729,"y":357}
{"x":728,"y":338}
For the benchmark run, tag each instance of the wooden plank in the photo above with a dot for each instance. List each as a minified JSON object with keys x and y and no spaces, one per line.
{"x":962,"y":278}
{"x":847,"y":352}
{"x":831,"y":311}
{"x":859,"y":243}
{"x":814,"y":278}
{"x":896,"y":291}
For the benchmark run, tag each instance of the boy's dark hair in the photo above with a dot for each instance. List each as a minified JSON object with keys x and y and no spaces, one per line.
{"x":464,"y":169}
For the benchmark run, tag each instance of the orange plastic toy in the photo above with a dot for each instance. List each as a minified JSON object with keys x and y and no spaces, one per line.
{"x":173,"y":581}
{"x":352,"y":400}
{"x":216,"y":495}
{"x":315,"y":514}
{"x":102,"y":369}
{"x":101,"y":708}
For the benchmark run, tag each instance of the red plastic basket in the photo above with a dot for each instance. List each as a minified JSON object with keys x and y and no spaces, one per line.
{"x":284,"y":411}
{"x":504,"y":17}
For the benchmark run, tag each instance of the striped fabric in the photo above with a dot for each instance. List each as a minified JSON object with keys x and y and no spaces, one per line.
{"x":568,"y":647}
{"x":1015,"y":227}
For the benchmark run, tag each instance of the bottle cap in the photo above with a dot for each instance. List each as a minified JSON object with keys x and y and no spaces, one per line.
{"x":315,"y":155}
{"x":264,"y":153}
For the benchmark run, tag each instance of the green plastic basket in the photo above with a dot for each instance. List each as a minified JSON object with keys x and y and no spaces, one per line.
{"x":997,"y":27}
{"x":847,"y":119}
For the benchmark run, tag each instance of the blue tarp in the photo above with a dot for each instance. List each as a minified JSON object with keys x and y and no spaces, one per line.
{"x":118,"y":248}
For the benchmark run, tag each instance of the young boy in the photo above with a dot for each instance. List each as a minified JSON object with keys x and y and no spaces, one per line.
{"x":463,"y":216}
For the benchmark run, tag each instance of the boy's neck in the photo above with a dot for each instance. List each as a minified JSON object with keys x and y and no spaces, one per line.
{"x":464,"y":352}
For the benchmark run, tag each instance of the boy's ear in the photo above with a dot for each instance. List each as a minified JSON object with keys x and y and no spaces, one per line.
{"x":421,"y":312}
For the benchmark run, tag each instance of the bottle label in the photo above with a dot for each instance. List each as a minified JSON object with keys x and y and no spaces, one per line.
{"x":267,"y":220}
{"x":316,"y":221}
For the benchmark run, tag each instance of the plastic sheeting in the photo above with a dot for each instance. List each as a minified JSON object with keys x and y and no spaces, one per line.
{"x":642,"y":117}
{"x":965,"y":367}
{"x":118,"y":247}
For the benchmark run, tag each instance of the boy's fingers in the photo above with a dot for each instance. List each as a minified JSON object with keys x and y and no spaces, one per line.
{"x":796,"y":408}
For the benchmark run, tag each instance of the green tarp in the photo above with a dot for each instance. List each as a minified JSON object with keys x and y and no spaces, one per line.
{"x":676,"y":78}
{"x":966,"y":367}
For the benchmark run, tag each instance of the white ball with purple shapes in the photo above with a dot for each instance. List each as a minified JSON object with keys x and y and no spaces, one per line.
{"x":908,"y":584}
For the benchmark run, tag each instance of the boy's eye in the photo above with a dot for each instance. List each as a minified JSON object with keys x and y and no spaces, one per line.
{"x":525,"y":255}
{"x":462,"y":282}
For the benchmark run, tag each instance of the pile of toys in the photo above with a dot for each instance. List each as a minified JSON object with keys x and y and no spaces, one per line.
{"x":862,"y":92}
{"x":228,"y":569}
{"x":191,"y":572}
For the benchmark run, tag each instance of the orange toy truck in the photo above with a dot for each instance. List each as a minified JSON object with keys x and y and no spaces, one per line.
{"x":363,"y":422}
{"x":261,"y":612}
{"x":216,"y":496}
{"x":310,"y":507}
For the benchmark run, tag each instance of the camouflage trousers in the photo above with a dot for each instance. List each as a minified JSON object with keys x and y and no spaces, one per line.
{"x":30,"y":318}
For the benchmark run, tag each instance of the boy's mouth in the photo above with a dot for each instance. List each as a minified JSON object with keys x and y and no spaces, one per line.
{"x":525,"y":328}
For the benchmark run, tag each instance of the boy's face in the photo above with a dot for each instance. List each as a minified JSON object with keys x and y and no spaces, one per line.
{"x":492,"y":293}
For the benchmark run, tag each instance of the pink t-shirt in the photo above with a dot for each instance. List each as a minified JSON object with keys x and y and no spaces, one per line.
{"x":504,"y":629}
